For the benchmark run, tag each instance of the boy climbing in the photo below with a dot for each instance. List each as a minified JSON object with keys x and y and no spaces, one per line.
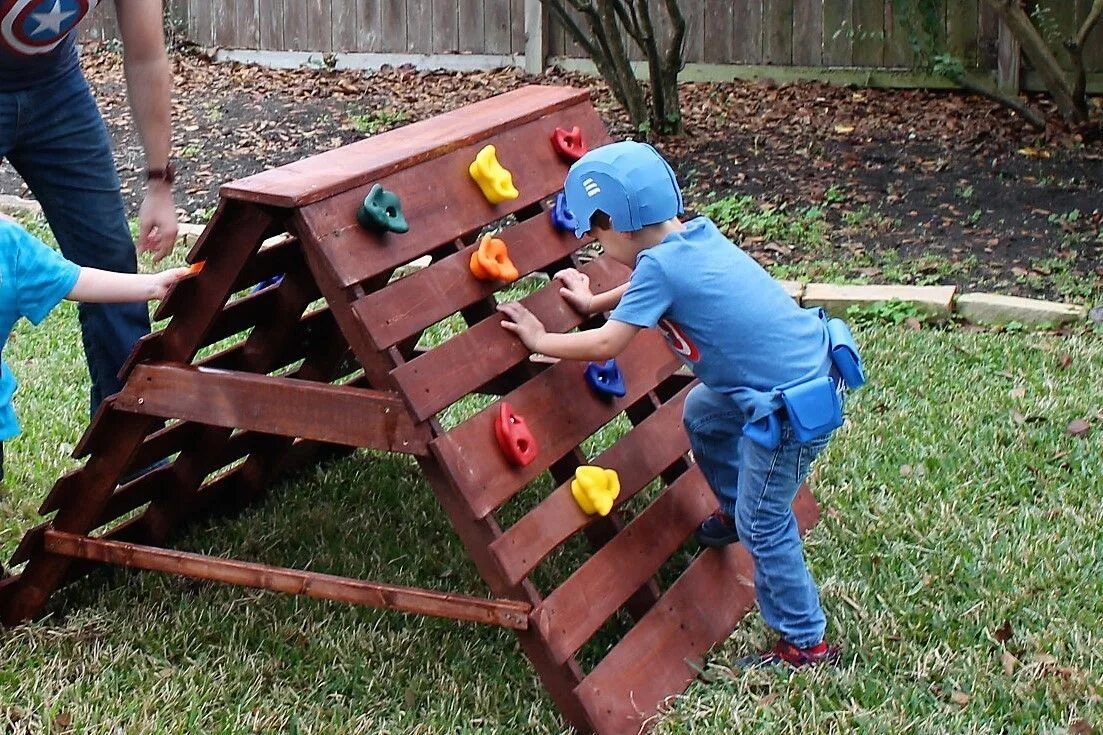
{"x":769,"y":394}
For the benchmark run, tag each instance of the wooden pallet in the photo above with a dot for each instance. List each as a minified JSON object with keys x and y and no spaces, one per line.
{"x":293,"y":383}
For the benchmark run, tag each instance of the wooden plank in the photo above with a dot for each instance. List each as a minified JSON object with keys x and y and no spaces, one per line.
{"x":838,"y":32}
{"x":323,"y":175}
{"x":296,"y":35}
{"x":528,"y":19}
{"x":446,"y":27}
{"x":638,"y":457}
{"x":470,"y":453}
{"x":575,"y":610}
{"x":413,"y":303}
{"x":369,"y":25}
{"x":419,"y":27}
{"x":284,"y":406}
{"x":808,"y":40}
{"x":319,"y":25}
{"x":442,"y":376}
{"x":471,"y":26}
{"x":747,"y":46}
{"x":202,"y":29}
{"x":777,"y":32}
{"x":270,"y":24}
{"x":869,"y":32}
{"x":1010,"y":61}
{"x":496,"y":27}
{"x":694,"y":15}
{"x":440,"y":200}
{"x":900,"y":26}
{"x":505,"y":613}
{"x":988,"y":35}
{"x":662,"y":654}
{"x":345,"y":29}
{"x":719,"y":32}
{"x":393,"y":18}
{"x":962,"y":31}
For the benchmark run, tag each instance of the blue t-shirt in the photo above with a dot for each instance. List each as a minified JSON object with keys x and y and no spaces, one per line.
{"x":33,"y":280}
{"x":725,"y":317}
{"x":36,"y":40}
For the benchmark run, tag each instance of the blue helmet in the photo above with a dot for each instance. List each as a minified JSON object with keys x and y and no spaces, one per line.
{"x":628,"y":181}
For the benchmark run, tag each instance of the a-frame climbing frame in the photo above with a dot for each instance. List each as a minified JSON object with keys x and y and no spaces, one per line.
{"x":300,"y":383}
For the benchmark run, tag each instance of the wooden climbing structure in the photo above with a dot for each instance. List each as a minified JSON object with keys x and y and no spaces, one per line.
{"x":327,"y":359}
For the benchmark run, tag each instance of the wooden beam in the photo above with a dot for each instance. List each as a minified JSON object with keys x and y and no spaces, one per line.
{"x":535,"y":48}
{"x":340,"y":414}
{"x":504,"y":613}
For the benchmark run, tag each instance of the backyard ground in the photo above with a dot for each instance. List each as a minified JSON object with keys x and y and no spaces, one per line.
{"x":820,"y":182}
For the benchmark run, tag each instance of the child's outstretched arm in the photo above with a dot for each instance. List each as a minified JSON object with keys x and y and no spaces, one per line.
{"x":594,"y":344}
{"x":98,"y":286}
{"x":576,"y":291}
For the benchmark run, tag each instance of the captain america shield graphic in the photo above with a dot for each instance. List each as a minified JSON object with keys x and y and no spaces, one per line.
{"x":32,"y":27}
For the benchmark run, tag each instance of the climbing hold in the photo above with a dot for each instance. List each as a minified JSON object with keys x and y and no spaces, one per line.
{"x":490,"y":261}
{"x":196,"y":268}
{"x":605,"y":379}
{"x":268,"y":282}
{"x":561,"y":217}
{"x":514,"y":436}
{"x":569,"y":144}
{"x":595,"y":489}
{"x":495,"y":181}
{"x":382,"y":211}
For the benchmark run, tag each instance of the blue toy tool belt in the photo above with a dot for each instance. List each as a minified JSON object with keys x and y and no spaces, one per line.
{"x":814,"y":407}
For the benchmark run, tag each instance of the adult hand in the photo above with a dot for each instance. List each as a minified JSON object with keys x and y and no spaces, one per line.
{"x":157,"y":225}
{"x":575,"y":289}
{"x":523,"y":323}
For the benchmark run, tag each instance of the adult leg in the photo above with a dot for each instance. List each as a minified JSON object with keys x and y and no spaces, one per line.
{"x":786,"y":592}
{"x":63,"y":152}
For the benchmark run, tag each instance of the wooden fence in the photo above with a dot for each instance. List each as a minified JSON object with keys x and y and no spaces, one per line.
{"x":809,"y":33}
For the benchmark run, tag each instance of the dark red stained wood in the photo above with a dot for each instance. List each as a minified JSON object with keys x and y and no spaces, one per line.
{"x":323,"y":175}
{"x":638,"y":457}
{"x":662,"y":654}
{"x":470,"y":454}
{"x":284,"y":406}
{"x":440,"y":199}
{"x":581,"y":605}
{"x":506,"y":613}
{"x":443,"y":375}
{"x":407,"y":306}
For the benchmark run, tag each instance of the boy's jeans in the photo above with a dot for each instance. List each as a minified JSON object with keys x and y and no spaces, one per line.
{"x":756,"y":487}
{"x":55,"y":138}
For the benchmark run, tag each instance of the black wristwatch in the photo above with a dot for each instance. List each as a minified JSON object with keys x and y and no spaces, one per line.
{"x":166,"y":174}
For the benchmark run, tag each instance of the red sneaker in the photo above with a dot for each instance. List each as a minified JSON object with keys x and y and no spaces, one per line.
{"x":785,"y":652}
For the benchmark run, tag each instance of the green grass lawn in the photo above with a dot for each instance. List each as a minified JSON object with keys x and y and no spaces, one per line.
{"x":960,"y":559}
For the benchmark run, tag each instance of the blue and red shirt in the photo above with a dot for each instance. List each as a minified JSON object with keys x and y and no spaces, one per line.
{"x":37,"y":41}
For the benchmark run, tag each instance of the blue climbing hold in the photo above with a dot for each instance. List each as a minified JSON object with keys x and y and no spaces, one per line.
{"x":561,"y":217}
{"x":605,"y":378}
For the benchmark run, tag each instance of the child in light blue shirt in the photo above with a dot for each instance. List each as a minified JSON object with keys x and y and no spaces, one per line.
{"x":34,"y":279}
{"x":743,"y":337}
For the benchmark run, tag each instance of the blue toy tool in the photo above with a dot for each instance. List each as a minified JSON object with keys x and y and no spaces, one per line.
{"x":605,"y":379}
{"x":561,"y":217}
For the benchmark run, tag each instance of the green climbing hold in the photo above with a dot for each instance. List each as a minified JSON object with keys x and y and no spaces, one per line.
{"x":382,"y":211}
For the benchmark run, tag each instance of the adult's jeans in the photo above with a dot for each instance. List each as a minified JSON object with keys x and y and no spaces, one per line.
{"x":756,"y":487}
{"x":55,"y":138}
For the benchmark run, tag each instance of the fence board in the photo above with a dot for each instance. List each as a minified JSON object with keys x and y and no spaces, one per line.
{"x":369,"y":25}
{"x":294,"y":29}
{"x":496,"y":27}
{"x":963,"y":31}
{"x":270,"y":15}
{"x":446,"y":39}
{"x":838,"y":32}
{"x":900,"y":25}
{"x":472,"y":38}
{"x":747,"y":43}
{"x":345,"y":31}
{"x":394,"y":25}
{"x":517,"y":25}
{"x":719,"y":30}
{"x":419,"y":28}
{"x":808,"y":33}
{"x":694,"y":14}
{"x":869,"y":32}
{"x":777,"y":32}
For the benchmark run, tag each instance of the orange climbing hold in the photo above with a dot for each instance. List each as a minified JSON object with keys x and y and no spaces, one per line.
{"x":494,"y":180}
{"x":490,"y":261}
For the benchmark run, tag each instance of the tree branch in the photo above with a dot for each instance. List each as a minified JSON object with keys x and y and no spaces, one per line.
{"x":1089,"y":23}
{"x":987,"y":89}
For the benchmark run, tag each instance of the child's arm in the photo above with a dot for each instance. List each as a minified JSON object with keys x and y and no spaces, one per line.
{"x":98,"y":286}
{"x":576,"y":291}
{"x":594,"y":344}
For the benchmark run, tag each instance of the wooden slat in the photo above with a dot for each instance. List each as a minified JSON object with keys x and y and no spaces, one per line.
{"x":283,"y":406}
{"x":345,"y":30}
{"x":472,"y":39}
{"x":777,"y":32}
{"x":295,"y":32}
{"x":446,"y":37}
{"x":505,"y":613}
{"x":246,"y":28}
{"x":808,"y":41}
{"x":440,"y":200}
{"x":419,"y":27}
{"x":693,"y":14}
{"x":370,"y":23}
{"x":638,"y":457}
{"x":326,"y":174}
{"x":662,"y":654}
{"x":445,"y":374}
{"x":747,"y":45}
{"x":900,"y":27}
{"x":470,"y":453}
{"x":571,"y":614}
{"x":962,"y":31}
{"x":270,"y":14}
{"x":393,"y":25}
{"x":869,"y":32}
{"x":413,"y":303}
{"x":719,"y":32}
{"x":838,"y":30}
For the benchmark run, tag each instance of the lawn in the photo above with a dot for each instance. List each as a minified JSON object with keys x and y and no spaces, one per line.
{"x":960,"y":558}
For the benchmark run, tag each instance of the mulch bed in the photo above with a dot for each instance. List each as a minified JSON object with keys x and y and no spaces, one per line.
{"x":947,"y":176}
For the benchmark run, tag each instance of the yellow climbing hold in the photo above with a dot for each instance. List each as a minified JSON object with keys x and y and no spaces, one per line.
{"x":595,"y":489}
{"x":495,"y":181}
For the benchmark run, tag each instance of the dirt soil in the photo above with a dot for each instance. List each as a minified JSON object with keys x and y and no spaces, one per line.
{"x":909,"y":186}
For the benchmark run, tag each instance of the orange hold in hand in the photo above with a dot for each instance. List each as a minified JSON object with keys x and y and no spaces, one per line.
{"x":196,"y":268}
{"x":490,"y":261}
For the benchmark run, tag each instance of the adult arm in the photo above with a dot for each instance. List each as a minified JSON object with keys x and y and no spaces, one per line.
{"x":148,"y":88}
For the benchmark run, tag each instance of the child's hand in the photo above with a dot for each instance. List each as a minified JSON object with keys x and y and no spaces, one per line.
{"x":523,"y":323}
{"x":576,"y":289}
{"x":162,"y":282}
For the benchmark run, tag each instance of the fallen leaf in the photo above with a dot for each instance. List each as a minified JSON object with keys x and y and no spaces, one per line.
{"x":1079,"y":427}
{"x":1009,"y":662}
{"x":1004,"y":632}
{"x":1033,"y":152}
{"x":959,"y":698}
{"x":1081,"y":727}
{"x":905,"y":470}
{"x":844,"y":129}
{"x":913,"y":324}
{"x":62,"y":721}
{"x":1018,"y":392}
{"x":1064,"y":361}
{"x":1018,"y":418}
